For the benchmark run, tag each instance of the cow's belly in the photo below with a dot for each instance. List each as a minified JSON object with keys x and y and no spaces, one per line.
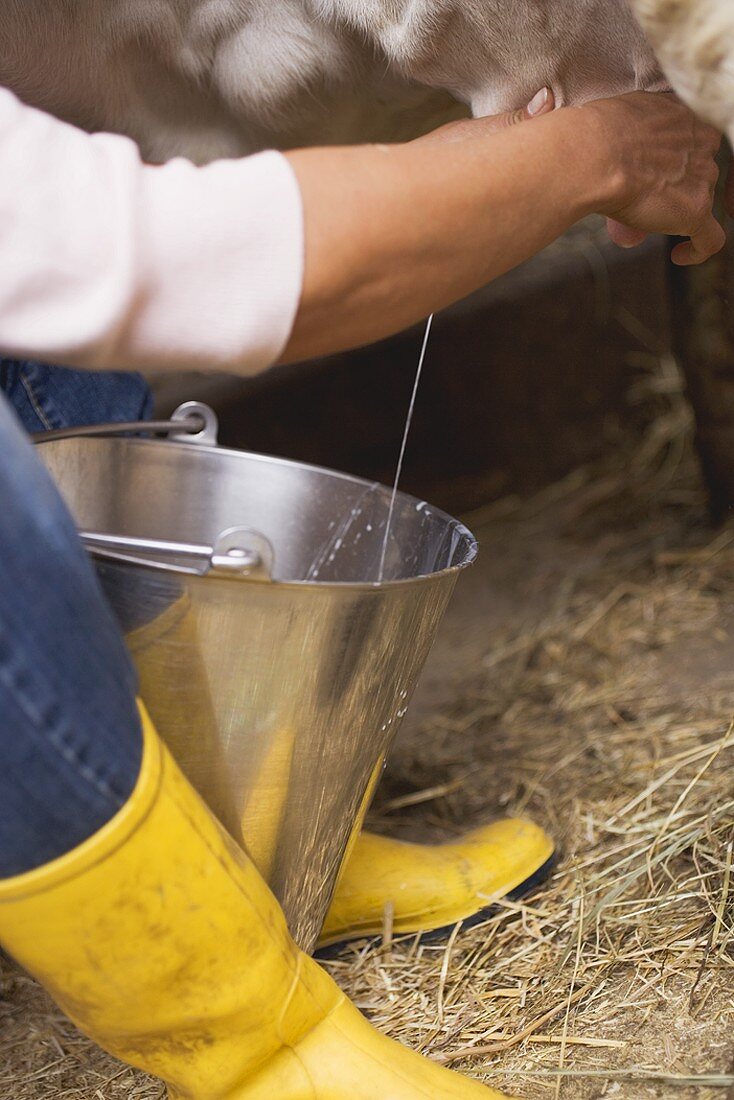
{"x":217,"y":78}
{"x":181,"y":79}
{"x":494,"y":55}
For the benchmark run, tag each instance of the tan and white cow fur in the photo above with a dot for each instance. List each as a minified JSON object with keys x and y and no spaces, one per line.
{"x":211,"y":78}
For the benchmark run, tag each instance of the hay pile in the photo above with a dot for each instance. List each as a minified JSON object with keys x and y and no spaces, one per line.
{"x":599,"y":700}
{"x":586,"y":678}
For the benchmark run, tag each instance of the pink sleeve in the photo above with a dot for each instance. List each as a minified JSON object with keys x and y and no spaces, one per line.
{"x":107,"y":262}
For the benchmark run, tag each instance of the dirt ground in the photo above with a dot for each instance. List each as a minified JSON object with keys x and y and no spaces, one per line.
{"x":584,"y":677}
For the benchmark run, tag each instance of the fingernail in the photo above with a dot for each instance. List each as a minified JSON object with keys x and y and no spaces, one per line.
{"x":538,"y":102}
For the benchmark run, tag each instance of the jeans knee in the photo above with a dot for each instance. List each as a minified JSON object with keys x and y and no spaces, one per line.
{"x":67,"y":686}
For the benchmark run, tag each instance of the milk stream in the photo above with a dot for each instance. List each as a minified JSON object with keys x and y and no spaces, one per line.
{"x":406,"y":432}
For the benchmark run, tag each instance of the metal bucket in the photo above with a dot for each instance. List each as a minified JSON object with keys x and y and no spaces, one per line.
{"x":272,"y":662}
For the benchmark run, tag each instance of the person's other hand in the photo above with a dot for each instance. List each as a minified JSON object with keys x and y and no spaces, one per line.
{"x":541,"y":104}
{"x":664,"y":171}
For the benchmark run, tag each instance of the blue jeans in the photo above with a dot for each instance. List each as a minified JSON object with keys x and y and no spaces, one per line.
{"x":45,"y":398}
{"x":70,"y":737}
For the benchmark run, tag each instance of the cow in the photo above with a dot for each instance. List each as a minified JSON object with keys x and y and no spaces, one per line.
{"x":216,"y":78}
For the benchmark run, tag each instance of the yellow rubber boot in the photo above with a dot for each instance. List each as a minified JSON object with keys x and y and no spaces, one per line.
{"x":433,"y":886}
{"x":160,"y":940}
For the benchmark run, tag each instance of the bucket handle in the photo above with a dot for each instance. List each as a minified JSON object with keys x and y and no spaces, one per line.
{"x":192,"y":422}
{"x":238,"y":552}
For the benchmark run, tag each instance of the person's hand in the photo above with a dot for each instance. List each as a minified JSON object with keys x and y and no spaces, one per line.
{"x":541,"y":104}
{"x":664,"y":171}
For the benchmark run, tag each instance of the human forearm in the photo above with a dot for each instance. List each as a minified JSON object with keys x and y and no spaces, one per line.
{"x":394,"y":233}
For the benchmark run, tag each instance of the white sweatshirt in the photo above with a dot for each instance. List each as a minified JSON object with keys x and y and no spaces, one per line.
{"x":107,"y":262}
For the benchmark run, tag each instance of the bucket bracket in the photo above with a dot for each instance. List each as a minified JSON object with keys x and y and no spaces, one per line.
{"x":242,"y":552}
{"x":191,"y":411}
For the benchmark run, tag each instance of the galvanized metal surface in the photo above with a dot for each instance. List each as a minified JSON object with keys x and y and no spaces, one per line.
{"x":279,"y":693}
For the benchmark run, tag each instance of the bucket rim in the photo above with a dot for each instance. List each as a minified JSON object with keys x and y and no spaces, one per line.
{"x":472,"y":546}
